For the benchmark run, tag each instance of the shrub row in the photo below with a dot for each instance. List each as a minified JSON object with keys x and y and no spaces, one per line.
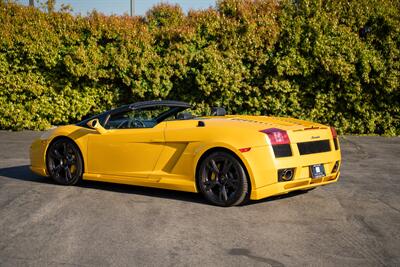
{"x":335,"y":62}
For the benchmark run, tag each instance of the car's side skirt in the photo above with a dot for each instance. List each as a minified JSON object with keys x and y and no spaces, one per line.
{"x":164,"y":183}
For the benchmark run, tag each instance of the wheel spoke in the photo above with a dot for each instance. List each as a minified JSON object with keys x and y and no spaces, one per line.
{"x":70,"y":159}
{"x":232,"y":183}
{"x":57,"y":169}
{"x":214,"y":167}
{"x":223,"y":196}
{"x":227,"y":165}
{"x":68,"y":175}
{"x":55,"y":154}
{"x":65,"y":152}
{"x":210,"y":184}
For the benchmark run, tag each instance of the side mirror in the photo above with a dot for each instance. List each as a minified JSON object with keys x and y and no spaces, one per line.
{"x":95,"y":124}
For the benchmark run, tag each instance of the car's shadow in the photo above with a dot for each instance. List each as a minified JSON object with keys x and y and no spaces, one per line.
{"x":23,"y":173}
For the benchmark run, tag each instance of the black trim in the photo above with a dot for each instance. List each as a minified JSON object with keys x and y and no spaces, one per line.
{"x":335,"y":142}
{"x":156,"y":103}
{"x":169,"y":113}
{"x":314,"y":147}
{"x":218,"y":111}
{"x":281,"y":151}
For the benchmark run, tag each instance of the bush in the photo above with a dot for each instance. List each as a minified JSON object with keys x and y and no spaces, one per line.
{"x":335,"y":62}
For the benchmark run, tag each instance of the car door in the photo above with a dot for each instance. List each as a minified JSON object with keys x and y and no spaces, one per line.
{"x":130,"y":147}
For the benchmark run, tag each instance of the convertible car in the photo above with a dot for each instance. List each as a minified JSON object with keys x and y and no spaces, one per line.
{"x":227,"y":158}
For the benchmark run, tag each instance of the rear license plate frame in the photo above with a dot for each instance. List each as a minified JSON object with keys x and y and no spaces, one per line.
{"x":317,"y":171}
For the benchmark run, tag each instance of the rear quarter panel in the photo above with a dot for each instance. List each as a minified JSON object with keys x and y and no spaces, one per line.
{"x":189,"y":142}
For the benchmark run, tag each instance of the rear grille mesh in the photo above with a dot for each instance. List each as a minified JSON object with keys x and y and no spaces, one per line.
{"x":314,"y":147}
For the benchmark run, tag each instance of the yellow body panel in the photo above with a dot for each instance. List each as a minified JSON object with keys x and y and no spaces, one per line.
{"x":166,"y":156}
{"x":125,"y":152}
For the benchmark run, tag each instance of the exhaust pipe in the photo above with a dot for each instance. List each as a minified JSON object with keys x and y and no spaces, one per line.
{"x":285,"y":175}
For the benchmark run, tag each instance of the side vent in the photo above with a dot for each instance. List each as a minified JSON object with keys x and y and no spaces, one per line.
{"x":201,"y":124}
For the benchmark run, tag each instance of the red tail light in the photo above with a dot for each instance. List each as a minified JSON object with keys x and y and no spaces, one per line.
{"x":333,"y":131}
{"x":277,"y":136}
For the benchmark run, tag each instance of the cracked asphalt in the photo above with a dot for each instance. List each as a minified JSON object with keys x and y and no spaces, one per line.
{"x":355,"y":222}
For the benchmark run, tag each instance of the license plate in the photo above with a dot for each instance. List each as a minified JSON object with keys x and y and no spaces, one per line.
{"x":317,"y":171}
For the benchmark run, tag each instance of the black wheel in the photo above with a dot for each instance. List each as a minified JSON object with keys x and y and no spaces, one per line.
{"x":222,"y":179}
{"x":64,"y":162}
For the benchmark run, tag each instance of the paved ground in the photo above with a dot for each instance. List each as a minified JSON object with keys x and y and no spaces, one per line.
{"x":355,"y":222}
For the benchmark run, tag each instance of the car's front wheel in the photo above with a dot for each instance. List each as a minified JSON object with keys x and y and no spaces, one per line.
{"x":222,"y":179}
{"x":64,"y":162}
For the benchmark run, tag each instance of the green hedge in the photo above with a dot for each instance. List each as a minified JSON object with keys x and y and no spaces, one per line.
{"x":335,"y":62}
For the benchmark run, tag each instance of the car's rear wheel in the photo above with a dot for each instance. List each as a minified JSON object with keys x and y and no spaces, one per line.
{"x":64,"y":162}
{"x":222,"y":179}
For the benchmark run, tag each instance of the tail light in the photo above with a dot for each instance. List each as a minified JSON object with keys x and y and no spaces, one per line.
{"x":334,"y":133}
{"x":334,"y":136}
{"x":277,"y":136}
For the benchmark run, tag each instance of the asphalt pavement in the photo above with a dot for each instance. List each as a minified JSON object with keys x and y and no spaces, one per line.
{"x":355,"y":222}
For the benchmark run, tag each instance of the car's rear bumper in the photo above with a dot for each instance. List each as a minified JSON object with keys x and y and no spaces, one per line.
{"x":286,"y":187}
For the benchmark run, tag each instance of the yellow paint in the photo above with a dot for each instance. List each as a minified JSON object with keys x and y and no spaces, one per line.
{"x":166,"y":155}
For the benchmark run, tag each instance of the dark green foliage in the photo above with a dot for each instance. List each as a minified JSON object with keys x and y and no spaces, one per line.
{"x":335,"y":62}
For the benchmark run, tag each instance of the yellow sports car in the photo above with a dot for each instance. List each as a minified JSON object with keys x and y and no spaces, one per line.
{"x":228,"y":158}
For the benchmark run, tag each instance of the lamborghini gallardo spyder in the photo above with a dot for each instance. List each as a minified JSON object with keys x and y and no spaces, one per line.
{"x":227,"y":158}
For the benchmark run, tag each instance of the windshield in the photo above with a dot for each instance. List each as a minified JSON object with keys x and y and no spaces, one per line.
{"x":142,"y":115}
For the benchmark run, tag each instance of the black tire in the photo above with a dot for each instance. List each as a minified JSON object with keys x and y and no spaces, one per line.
{"x":222,"y":180}
{"x":64,"y":162}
